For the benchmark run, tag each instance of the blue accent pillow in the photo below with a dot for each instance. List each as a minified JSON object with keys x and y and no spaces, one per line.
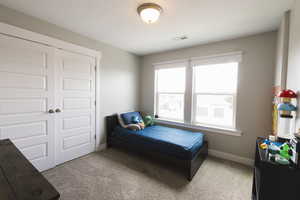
{"x":128,"y":117}
{"x":135,"y":120}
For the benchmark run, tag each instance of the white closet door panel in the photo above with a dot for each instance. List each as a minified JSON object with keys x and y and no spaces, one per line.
{"x":17,"y":80}
{"x":76,"y":122}
{"x":22,"y":106}
{"x":25,"y":70}
{"x":76,"y":140}
{"x":37,"y":149}
{"x":20,"y":93}
{"x":24,"y":130}
{"x":36,"y":152}
{"x":75,"y":92}
{"x":8,"y":53}
{"x":6,"y":120}
{"x":76,"y":84}
{"x":26,"y":94}
{"x":76,"y":103}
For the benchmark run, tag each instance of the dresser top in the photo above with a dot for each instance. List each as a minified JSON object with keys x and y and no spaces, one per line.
{"x":19,"y":179}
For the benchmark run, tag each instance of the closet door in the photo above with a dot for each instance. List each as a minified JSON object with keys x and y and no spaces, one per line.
{"x":75,"y":100}
{"x":26,"y":96}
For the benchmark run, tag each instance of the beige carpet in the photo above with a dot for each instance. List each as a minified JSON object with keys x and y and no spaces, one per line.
{"x":114,"y":174}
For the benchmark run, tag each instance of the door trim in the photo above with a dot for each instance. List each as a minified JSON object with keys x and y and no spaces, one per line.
{"x":24,"y":34}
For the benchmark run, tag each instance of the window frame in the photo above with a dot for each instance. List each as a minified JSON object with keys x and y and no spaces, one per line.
{"x":171,"y":93}
{"x":190,"y":94}
{"x":169,"y":65}
{"x":234,"y":106}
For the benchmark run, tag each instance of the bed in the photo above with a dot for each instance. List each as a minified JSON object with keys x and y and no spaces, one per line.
{"x":185,"y":149}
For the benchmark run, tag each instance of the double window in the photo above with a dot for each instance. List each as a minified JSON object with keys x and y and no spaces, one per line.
{"x":198,"y":91}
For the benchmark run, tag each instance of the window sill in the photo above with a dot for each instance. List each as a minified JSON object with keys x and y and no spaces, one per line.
{"x":220,"y":130}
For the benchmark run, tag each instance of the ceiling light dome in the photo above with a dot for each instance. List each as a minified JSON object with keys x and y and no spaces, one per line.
{"x":149,"y":12}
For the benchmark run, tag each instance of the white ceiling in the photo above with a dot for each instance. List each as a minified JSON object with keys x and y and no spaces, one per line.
{"x":116,"y":22}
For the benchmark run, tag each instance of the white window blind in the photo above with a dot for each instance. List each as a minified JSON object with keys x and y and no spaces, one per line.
{"x":170,"y":91}
{"x":214,"y":96}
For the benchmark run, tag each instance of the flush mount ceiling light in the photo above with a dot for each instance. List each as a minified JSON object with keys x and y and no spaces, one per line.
{"x":149,"y":12}
{"x":184,"y":37}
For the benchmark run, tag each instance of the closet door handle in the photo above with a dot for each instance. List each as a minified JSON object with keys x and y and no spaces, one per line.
{"x":51,"y":111}
{"x":57,"y":110}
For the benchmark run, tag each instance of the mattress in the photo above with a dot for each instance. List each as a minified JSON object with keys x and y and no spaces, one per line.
{"x":174,"y":142}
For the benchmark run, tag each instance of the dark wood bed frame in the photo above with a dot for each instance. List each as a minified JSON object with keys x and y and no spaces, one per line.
{"x":189,"y":167}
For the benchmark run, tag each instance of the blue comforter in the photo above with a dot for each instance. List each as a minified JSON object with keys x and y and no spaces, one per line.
{"x":175,"y":142}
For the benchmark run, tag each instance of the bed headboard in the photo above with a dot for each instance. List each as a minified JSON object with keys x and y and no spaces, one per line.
{"x":111,"y":123}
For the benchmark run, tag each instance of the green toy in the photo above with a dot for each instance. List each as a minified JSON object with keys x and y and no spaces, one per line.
{"x":281,"y":160}
{"x":149,"y":120}
{"x":285,"y":151}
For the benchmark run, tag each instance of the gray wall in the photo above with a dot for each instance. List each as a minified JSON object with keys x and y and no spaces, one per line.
{"x":254,"y":112}
{"x":119,"y":69}
{"x":293,"y":78}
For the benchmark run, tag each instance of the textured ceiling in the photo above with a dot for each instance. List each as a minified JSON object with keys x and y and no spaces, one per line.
{"x":116,"y":21}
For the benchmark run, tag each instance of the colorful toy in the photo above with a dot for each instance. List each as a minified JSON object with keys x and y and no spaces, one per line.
{"x":286,"y":113}
{"x":149,"y":120}
{"x":285,"y":108}
{"x":142,"y":125}
{"x":263,"y":146}
{"x":286,"y":151}
{"x":281,"y":160}
{"x":278,"y":144}
{"x":136,"y":120}
{"x":267,"y":141}
{"x":273,"y":149}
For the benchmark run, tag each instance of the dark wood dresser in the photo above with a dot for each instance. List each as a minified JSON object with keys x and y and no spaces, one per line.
{"x":19,"y":180}
{"x":272,"y":181}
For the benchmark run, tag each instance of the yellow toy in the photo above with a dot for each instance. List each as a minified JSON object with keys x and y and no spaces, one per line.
{"x":142,"y":125}
{"x":263,"y":146}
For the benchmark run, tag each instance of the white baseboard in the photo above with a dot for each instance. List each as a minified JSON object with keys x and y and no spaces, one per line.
{"x":231,"y":157}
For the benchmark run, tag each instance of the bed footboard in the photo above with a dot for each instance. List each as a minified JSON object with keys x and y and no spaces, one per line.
{"x":194,"y":164}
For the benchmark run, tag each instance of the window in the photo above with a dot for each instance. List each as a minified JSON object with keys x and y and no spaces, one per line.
{"x":199,"y":91}
{"x":170,"y":92}
{"x":214,"y":94}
